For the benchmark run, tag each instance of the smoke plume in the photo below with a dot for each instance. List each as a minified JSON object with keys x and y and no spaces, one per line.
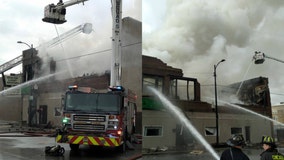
{"x":196,"y":34}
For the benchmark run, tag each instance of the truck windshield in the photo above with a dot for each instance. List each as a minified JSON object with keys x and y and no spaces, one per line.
{"x":107,"y":103}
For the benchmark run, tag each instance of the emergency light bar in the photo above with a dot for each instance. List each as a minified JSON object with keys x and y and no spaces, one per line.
{"x":116,"y":88}
{"x":73,"y":87}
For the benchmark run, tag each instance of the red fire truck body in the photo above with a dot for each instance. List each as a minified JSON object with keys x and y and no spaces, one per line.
{"x":99,"y":119}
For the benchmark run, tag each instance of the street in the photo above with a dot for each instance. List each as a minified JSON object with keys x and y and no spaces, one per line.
{"x":253,"y":154}
{"x":16,"y":147}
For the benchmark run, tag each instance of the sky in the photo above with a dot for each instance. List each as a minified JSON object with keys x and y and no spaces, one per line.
{"x":195,"y":35}
{"x":22,"y":21}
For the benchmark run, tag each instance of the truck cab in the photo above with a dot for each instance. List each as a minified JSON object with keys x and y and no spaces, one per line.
{"x":93,"y":118}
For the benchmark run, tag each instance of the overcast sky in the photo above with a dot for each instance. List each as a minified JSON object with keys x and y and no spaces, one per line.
{"x":22,"y":21}
{"x":196,"y":34}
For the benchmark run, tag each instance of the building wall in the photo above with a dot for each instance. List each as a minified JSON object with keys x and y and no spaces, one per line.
{"x":10,"y":105}
{"x":156,"y":119}
{"x":52,"y":101}
{"x":200,"y":120}
{"x":10,"y":108}
{"x":278,"y":113}
{"x":258,"y":126}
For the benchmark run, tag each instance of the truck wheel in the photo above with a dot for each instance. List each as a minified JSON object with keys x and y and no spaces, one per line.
{"x":74,"y":147}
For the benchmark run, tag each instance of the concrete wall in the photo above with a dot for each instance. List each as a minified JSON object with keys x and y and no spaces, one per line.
{"x":168,"y":124}
{"x":10,"y":108}
{"x":258,"y":127}
{"x":52,"y":101}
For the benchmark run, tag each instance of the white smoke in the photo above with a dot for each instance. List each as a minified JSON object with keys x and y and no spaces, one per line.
{"x":196,"y":34}
{"x":87,"y":53}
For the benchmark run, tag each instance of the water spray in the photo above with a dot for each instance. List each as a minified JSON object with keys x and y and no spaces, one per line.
{"x":243,"y":79}
{"x":180,"y":115}
{"x":28,"y":83}
{"x":68,"y":63}
{"x":252,"y":112}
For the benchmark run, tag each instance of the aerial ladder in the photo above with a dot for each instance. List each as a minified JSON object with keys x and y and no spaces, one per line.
{"x":259,"y":58}
{"x":56,"y":14}
{"x":11,"y":64}
{"x":83,"y":28}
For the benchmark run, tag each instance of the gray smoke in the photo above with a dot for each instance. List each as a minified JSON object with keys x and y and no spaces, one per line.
{"x":194,"y":35}
{"x":88,"y":53}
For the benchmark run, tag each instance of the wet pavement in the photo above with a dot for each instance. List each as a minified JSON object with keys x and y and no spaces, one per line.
{"x":18,"y":147}
{"x":253,"y":154}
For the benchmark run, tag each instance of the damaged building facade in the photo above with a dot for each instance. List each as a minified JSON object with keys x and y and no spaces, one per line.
{"x":163,"y":128}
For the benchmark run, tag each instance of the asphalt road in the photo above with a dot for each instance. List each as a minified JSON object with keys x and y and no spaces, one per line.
{"x":32,"y":148}
{"x":253,"y":154}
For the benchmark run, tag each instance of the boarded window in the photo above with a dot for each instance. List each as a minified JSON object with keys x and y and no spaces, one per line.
{"x":153,"y":131}
{"x":236,"y":131}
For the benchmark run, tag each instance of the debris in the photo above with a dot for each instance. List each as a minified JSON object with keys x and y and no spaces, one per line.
{"x":158,"y":149}
{"x":54,"y":150}
{"x":196,"y":152}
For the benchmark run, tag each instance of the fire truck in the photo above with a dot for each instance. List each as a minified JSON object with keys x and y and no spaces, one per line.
{"x":97,"y":119}
{"x":93,"y":118}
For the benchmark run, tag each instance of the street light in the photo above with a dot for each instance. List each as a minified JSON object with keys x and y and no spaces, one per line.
{"x":30,"y":46}
{"x":216,"y":104}
{"x":32,"y":107}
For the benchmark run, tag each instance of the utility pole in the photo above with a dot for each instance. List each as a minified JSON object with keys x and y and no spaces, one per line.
{"x":216,"y":103}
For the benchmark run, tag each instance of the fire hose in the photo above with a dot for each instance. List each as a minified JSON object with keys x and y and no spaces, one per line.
{"x":56,"y":150}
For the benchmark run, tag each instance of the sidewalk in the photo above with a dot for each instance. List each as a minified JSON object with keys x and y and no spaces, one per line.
{"x":15,"y":129}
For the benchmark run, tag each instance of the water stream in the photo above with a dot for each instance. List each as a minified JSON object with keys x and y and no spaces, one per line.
{"x":28,"y":83}
{"x":243,"y":79}
{"x":250,"y":111}
{"x":63,"y":49}
{"x":180,"y":115}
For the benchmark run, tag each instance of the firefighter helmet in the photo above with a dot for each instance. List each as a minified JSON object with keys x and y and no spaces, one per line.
{"x":236,"y":140}
{"x":268,"y":140}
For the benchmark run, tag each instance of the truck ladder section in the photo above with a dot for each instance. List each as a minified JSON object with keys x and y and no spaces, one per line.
{"x":10,"y":64}
{"x":84,"y":28}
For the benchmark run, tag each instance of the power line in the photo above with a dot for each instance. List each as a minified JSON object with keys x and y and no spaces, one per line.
{"x":83,"y":55}
{"x":106,"y":50}
{"x":279,"y":94}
